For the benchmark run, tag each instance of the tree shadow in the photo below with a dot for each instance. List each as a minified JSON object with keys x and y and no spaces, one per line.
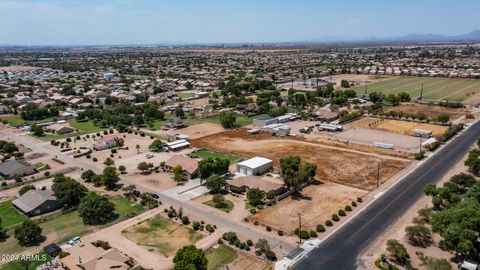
{"x":297,"y":196}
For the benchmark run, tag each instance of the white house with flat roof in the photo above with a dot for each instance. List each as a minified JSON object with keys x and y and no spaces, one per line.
{"x":254,"y":166}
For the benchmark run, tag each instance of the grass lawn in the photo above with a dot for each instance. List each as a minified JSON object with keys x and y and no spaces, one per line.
{"x":184,"y":95}
{"x":220,"y":256}
{"x":40,"y":259}
{"x":9,"y":215}
{"x":39,"y":166}
{"x":13,"y":120}
{"x":62,"y":227}
{"x":161,"y":235}
{"x":452,"y":89}
{"x":202,"y":153}
{"x":226,"y":208}
{"x":83,"y":128}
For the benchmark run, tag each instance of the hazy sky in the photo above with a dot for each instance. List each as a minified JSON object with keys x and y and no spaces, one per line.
{"x":73,"y":22}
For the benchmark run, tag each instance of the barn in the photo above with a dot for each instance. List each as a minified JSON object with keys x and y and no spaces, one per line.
{"x":254,"y":166}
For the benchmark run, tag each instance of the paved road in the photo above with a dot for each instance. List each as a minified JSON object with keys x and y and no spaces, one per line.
{"x":243,"y":229}
{"x":342,"y":249}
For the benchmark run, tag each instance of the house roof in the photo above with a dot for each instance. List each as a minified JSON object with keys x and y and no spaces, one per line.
{"x":255,"y":182}
{"x":189,"y":165}
{"x":255,"y":162}
{"x":32,"y":199}
{"x":90,"y":257}
{"x":10,"y":166}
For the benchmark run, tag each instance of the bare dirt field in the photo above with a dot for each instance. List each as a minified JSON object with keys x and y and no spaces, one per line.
{"x":344,"y":166}
{"x":397,"y":126}
{"x":158,"y":182}
{"x":245,"y":262}
{"x":367,"y":136}
{"x":430,"y":110}
{"x":195,"y":131}
{"x":161,"y":235}
{"x":357,"y":79}
{"x":316,"y":204}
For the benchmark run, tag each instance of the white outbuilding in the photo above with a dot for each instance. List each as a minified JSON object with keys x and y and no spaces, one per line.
{"x":254,"y":166}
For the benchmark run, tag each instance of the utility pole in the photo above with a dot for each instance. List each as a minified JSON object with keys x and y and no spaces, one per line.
{"x":300,"y":227}
{"x":292,"y":83}
{"x":378,"y":174}
{"x":421,"y":92}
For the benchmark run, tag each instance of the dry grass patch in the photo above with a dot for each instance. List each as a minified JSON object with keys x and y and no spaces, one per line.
{"x":161,"y":235}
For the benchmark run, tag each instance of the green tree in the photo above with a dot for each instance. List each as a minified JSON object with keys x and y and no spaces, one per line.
{"x":190,"y":258}
{"x":215,"y":183}
{"x":28,"y":233}
{"x":156,"y":145}
{"x":209,"y":166}
{"x":178,"y":174}
{"x":218,"y":200}
{"x":443,"y":118}
{"x":88,"y":175}
{"x":68,"y":191}
{"x":37,"y":130}
{"x":419,"y":235}
{"x":144,"y":166}
{"x":25,"y":189}
{"x":397,"y":251}
{"x":344,"y":84}
{"x":473,"y":162}
{"x":96,"y":209}
{"x":110,"y":177}
{"x":228,"y":119}
{"x":255,"y":196}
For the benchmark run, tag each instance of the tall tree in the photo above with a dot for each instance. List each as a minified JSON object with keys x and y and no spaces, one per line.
{"x":28,"y":233}
{"x":68,"y":191}
{"x":190,"y":258}
{"x":96,"y":209}
{"x":110,"y":177}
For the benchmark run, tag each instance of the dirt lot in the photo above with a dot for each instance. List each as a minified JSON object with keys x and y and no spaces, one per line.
{"x":430,"y":110}
{"x":161,"y":235}
{"x":397,"y":126}
{"x":130,"y":141}
{"x":195,"y":131}
{"x":358,"y":79}
{"x":344,"y":166}
{"x":368,"y":136}
{"x":245,"y":262}
{"x":316,"y":203}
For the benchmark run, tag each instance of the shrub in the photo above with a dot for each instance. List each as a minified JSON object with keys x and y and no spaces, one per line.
{"x":185,"y":220}
{"x":258,"y":253}
{"x":196,"y":225}
{"x":359,"y":199}
{"x":280,"y":233}
{"x":243,"y":245}
{"x":255,"y":223}
{"x":209,"y":228}
{"x":268,"y":228}
{"x":94,"y":159}
{"x":237,"y":242}
{"x":249,"y":242}
{"x":354,"y":204}
{"x":341,"y":213}
{"x":320,"y":228}
{"x":329,"y":223}
{"x":229,"y":236}
{"x":313,"y":233}
{"x":219,"y":241}
{"x":270,"y":255}
{"x":348,"y":208}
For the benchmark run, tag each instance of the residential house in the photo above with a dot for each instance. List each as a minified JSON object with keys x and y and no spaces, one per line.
{"x":108,"y":141}
{"x":37,"y":202}
{"x":13,"y":168}
{"x":244,"y":183}
{"x":86,"y":256}
{"x":58,"y":129}
{"x":189,"y":165}
{"x":175,"y":123}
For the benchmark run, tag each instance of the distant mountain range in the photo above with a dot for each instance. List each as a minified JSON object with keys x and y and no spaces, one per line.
{"x":472,"y":36}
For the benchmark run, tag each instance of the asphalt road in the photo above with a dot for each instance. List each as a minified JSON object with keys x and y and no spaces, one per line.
{"x":343,"y":248}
